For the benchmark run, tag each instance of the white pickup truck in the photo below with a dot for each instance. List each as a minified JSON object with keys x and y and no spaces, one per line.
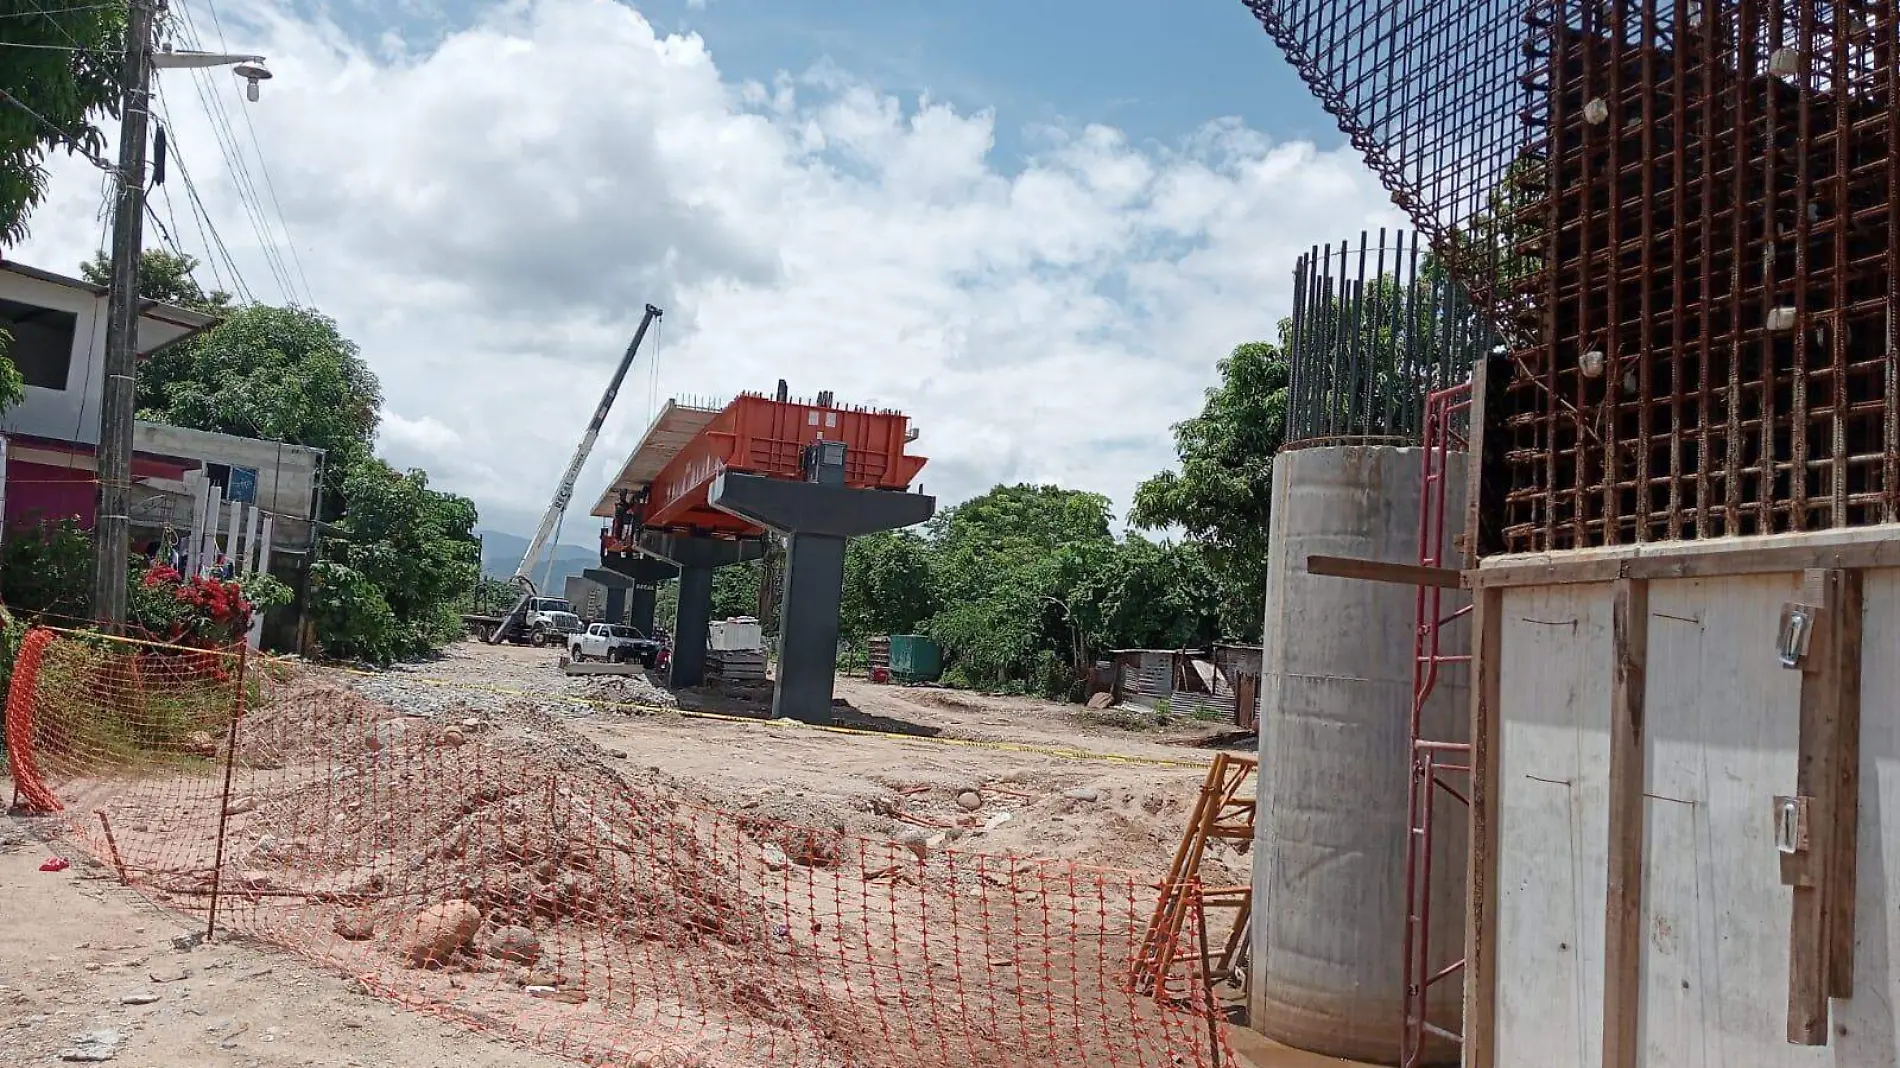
{"x":612,"y":642}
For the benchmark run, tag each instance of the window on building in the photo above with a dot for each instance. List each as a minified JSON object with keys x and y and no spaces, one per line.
{"x":42,"y":345}
{"x":234,"y":483}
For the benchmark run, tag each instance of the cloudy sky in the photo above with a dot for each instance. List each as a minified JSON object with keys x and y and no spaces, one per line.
{"x":1034,"y":227}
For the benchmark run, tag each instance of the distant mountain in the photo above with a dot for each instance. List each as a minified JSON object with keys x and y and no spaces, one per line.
{"x":501,"y":554}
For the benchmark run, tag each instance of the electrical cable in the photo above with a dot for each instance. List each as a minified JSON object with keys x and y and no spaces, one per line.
{"x":207,"y":229}
{"x":37,"y":10}
{"x":62,"y":135}
{"x":263,"y":164}
{"x":228,"y":146}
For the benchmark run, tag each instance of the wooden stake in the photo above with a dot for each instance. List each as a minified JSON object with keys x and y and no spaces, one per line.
{"x":1481,"y":918}
{"x":1822,"y":874}
{"x":1844,"y":857}
{"x":1623,"y":907}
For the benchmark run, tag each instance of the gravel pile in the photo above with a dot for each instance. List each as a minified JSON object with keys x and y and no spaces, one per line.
{"x":479,"y":680}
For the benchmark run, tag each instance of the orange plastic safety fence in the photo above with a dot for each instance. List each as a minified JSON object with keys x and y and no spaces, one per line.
{"x":502,"y":875}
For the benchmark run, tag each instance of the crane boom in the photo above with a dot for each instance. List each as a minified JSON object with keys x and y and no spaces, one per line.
{"x":564,"y":491}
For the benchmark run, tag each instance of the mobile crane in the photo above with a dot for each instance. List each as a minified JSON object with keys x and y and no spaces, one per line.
{"x":516,"y":623}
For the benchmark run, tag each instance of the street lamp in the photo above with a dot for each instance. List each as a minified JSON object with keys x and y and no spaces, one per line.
{"x":112,"y":529}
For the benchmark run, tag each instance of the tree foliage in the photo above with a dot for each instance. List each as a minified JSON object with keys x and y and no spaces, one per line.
{"x":1024,"y":587}
{"x":283,"y":374}
{"x":889,"y":589}
{"x":402,"y":558}
{"x":391,"y":580}
{"x":167,"y":277}
{"x":60,"y":73}
{"x":1223,"y":493}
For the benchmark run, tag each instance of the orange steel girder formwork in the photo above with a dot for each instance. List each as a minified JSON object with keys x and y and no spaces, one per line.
{"x":762,"y":436}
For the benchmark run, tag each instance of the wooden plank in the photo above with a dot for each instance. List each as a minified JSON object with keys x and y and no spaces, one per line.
{"x":1623,"y":906}
{"x":1481,"y":914}
{"x":1768,"y":560}
{"x":1844,"y":858}
{"x":1810,"y":941}
{"x":1555,"y":573}
{"x":1447,"y":578}
{"x":1714,"y":563}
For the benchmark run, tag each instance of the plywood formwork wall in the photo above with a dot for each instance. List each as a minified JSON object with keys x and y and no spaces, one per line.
{"x":1707,"y":955}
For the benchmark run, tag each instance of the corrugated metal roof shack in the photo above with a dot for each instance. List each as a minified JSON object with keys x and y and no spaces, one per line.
{"x":1225,"y":681}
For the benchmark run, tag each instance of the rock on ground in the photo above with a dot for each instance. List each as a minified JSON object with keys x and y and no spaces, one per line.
{"x":354,"y":926}
{"x":435,"y":933}
{"x":93,"y":1046}
{"x":517,"y":944}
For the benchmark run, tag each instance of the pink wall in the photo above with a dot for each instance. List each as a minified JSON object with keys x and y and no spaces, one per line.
{"x":42,"y":492}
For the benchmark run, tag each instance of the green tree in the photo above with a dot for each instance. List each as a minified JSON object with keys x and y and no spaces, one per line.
{"x":490,"y":596}
{"x":391,"y":581}
{"x":167,"y":277}
{"x":12,"y":383}
{"x":1006,"y":567}
{"x":59,"y":71}
{"x":735,"y":590}
{"x":1222,"y":495}
{"x":283,"y":374}
{"x":1149,"y":595}
{"x":887,"y":586}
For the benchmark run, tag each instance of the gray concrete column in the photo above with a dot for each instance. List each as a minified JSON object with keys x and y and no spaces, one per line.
{"x":1330,"y":831}
{"x":645,"y":573}
{"x":689,"y":629}
{"x":808,"y":627}
{"x":816,"y":518}
{"x":696,"y":558}
{"x":641,"y":601}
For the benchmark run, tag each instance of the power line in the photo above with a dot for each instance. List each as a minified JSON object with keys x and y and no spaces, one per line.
{"x":60,"y":11}
{"x":208,"y":233}
{"x":53,"y":127}
{"x":62,"y":48}
{"x":246,"y":185}
{"x":214,"y":243}
{"x":263,"y":163}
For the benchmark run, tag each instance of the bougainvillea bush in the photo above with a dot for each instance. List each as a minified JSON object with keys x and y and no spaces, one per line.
{"x":204,"y":612}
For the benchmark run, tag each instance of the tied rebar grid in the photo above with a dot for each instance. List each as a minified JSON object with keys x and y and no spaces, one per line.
{"x":1375,"y":329}
{"x":1685,"y":232}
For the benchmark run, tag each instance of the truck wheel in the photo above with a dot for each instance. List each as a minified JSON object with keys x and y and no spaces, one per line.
{"x":539,"y":639}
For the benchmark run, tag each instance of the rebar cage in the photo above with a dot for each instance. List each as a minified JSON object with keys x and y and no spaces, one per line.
{"x":1376,"y":327}
{"x":1679,"y":213}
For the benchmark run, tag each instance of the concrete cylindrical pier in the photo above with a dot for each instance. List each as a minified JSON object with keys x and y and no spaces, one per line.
{"x":1335,"y":759}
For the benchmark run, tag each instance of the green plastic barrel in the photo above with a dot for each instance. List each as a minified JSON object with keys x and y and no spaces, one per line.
{"x":915,"y":658}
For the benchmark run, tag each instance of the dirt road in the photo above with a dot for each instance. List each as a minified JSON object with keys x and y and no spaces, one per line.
{"x":78,"y":948}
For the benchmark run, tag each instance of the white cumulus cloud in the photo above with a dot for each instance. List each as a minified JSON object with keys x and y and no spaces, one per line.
{"x":487,"y":214}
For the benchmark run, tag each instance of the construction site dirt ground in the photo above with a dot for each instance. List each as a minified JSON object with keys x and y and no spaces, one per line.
{"x":1073,"y":787}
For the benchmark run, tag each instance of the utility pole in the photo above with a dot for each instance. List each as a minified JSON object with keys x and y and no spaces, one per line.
{"x":112,"y":531}
{"x":112,"y":526}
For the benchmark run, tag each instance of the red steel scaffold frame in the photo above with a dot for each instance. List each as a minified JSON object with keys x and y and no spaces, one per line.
{"x":1432,"y":758}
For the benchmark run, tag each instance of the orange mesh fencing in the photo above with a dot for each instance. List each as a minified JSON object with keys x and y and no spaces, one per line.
{"x":499,"y":873}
